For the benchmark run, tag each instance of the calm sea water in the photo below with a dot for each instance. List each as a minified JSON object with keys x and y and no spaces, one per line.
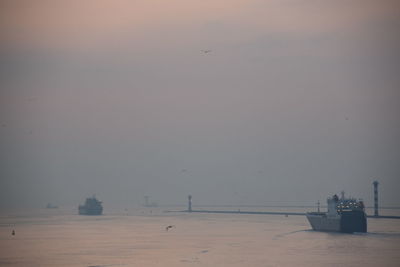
{"x":57,"y":237}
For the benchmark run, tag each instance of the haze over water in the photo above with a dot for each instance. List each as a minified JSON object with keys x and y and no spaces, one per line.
{"x":137,"y":237}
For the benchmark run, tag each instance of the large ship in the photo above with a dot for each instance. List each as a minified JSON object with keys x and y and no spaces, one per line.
{"x":92,"y":206}
{"x":345,"y":215}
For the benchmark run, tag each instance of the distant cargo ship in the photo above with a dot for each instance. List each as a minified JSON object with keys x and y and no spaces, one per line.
{"x":343,"y":215}
{"x":92,"y":206}
{"x":51,"y":206}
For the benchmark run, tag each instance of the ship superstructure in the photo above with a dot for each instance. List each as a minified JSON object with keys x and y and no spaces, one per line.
{"x":92,"y":206}
{"x":344,"y":215}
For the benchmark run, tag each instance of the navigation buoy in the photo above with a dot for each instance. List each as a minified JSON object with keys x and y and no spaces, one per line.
{"x":13,"y":232}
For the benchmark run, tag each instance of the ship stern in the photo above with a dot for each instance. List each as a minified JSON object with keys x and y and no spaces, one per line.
{"x":353,"y":221}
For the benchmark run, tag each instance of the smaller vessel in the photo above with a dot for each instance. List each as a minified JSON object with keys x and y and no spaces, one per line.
{"x":345,"y":215}
{"x":51,"y":206}
{"x":92,"y":206}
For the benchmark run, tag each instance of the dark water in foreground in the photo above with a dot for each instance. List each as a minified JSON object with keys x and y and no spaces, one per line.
{"x":138,"y":238}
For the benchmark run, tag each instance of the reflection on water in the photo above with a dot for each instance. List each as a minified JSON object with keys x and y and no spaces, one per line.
{"x":138,"y":237}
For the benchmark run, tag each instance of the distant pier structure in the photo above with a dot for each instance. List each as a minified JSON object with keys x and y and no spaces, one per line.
{"x":189,"y":203}
{"x":376,"y":213}
{"x":238,"y":211}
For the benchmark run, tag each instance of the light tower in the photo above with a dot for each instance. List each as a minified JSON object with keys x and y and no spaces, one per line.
{"x":375,"y":183}
{"x":189,"y":203}
{"x":146,"y":201}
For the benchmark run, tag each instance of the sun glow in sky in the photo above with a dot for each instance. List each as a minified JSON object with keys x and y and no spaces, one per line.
{"x":298,"y":99}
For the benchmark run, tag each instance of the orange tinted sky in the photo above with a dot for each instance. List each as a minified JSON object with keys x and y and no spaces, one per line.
{"x":297,"y":100}
{"x":78,"y":22}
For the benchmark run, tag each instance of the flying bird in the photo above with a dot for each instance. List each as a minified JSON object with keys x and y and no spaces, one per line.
{"x":169,"y":227}
{"x":206,"y":51}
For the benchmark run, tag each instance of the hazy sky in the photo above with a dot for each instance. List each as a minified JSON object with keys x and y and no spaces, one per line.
{"x":297,"y":100}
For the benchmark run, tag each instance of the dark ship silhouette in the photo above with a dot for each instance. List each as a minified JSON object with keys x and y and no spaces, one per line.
{"x":51,"y":206}
{"x":92,"y":206}
{"x":345,"y":215}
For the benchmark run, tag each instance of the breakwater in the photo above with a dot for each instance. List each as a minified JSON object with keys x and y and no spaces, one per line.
{"x":272,"y":213}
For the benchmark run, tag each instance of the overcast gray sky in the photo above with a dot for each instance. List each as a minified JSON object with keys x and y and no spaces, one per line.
{"x":297,"y":100}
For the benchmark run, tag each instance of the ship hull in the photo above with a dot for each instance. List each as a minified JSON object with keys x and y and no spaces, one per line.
{"x":321,"y":222}
{"x":353,"y":221}
{"x":87,"y":211}
{"x":346,"y":222}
